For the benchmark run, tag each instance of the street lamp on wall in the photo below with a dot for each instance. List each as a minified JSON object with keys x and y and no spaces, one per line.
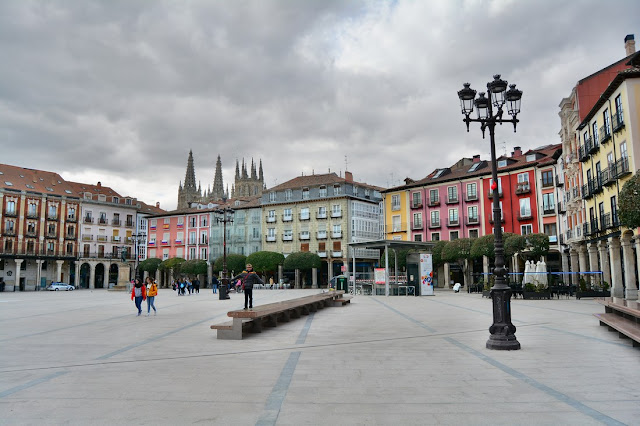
{"x":224,"y":215}
{"x":137,"y":239}
{"x":502,"y":331}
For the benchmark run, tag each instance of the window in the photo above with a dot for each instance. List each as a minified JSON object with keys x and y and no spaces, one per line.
{"x":435,"y":218}
{"x":474,"y":167}
{"x":548,"y":203}
{"x":623,"y":150}
{"x":11,"y":207}
{"x":453,"y":235}
{"x":203,"y":253}
{"x":499,"y":186}
{"x":271,"y":234}
{"x":10,"y":226}
{"x":502,"y":163}
{"x":435,"y":236}
{"x":594,"y":126}
{"x":116,"y":200}
{"x":287,"y":215}
{"x":434,"y":197}
{"x":337,"y":231}
{"x":605,"y":118}
{"x":305,"y":193}
{"x":203,"y":220}
{"x":193,"y":221}
{"x":337,"y":189}
{"x":271,"y":216}
{"x":453,"y":216}
{"x":72,"y":213}
{"x":53,"y":212}
{"x":192,"y":237}
{"x":547,"y":178}
{"x":165,"y":254}
{"x":323,"y":191}
{"x":417,"y":237}
{"x":395,"y":202}
{"x":322,"y":213}
{"x":417,"y":221}
{"x":192,"y":253}
{"x":473,"y":233}
{"x":472,"y":191}
{"x":203,"y":238}
{"x":287,"y":194}
{"x":452,"y":194}
{"x":396,"y":224}
{"x":526,"y":229}
{"x":523,"y":181}
{"x":272,"y":196}
{"x":304,"y":213}
{"x":472,"y":213}
{"x":619,"y":116}
{"x":287,"y":235}
{"x":438,"y":173}
{"x":525,"y":207}
{"x":32,"y":209}
{"x":336,"y":210}
{"x":416,"y":199}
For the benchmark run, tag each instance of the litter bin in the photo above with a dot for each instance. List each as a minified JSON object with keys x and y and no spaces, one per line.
{"x":342,"y":284}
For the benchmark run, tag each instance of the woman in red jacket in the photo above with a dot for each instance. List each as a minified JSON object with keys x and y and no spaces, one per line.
{"x":139,"y":293}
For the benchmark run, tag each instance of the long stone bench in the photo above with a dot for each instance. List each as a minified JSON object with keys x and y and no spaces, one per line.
{"x":269,"y":315}
{"x":622,"y":316}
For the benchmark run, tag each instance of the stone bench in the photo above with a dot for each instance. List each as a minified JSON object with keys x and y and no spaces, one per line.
{"x":622,"y":316}
{"x":342,"y":301}
{"x":269,"y":315}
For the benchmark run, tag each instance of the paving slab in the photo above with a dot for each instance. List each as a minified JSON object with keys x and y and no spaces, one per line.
{"x":84,"y":357}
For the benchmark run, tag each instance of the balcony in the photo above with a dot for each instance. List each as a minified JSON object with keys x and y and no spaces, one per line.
{"x":605,"y":221}
{"x":70,"y":237}
{"x":304,"y":236}
{"x":434,"y":224}
{"x":569,"y":234}
{"x":32,"y":215}
{"x":103,"y":221}
{"x":87,"y":237}
{"x":321,"y":215}
{"x":321,"y":235}
{"x":473,"y":220}
{"x":102,"y":238}
{"x":452,"y":200}
{"x":270,"y":238}
{"x":53,"y":216}
{"x":594,"y":226}
{"x":416,"y":205}
{"x":586,"y":230}
{"x":583,"y":153}
{"x":595,"y":147}
{"x":72,"y":219}
{"x":605,"y":135}
{"x":471,"y":197}
{"x":336,"y":253}
{"x":559,"y":182}
{"x":179,"y":242}
{"x":115,"y":239}
{"x":523,"y":188}
{"x":31,"y":234}
{"x":561,"y":208}
{"x":523,"y":216}
{"x":587,"y":191}
{"x":116,"y":222}
{"x":129,"y":224}
{"x":490,"y":193}
{"x":548,"y":210}
{"x":617,"y":121}
{"x":286,"y":237}
{"x":322,"y":254}
{"x":434,"y":202}
{"x":416,"y":225}
{"x":575,"y":192}
{"x":337,"y":234}
{"x":607,"y":176}
{"x":10,"y":213}
{"x":336,"y":213}
{"x":491,"y":221}
{"x":88,"y":219}
{"x":622,"y":167}
{"x":304,"y":216}
{"x":596,"y":185}
{"x":271,"y":218}
{"x":453,"y":222}
{"x":287,"y":218}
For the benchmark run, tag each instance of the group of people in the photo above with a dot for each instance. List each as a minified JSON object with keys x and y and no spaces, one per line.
{"x":148,"y":291}
{"x":184,"y":285}
{"x":141,"y":292}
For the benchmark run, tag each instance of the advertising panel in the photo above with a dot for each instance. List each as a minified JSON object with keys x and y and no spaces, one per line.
{"x":426,"y":274}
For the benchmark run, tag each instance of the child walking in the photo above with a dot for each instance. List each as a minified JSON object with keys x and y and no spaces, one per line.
{"x":151,"y":296}
{"x":139,"y":293}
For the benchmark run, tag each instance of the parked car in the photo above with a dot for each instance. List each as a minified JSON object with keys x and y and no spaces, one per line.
{"x":60,"y":286}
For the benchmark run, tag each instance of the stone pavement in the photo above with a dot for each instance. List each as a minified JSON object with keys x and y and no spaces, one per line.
{"x":83,"y":357}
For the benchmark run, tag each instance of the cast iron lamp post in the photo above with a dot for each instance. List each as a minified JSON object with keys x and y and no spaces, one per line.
{"x":137,"y":239}
{"x":224,"y":215}
{"x":502,"y":330}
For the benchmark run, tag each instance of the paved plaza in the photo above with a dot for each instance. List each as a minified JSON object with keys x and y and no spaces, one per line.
{"x":83,"y":357}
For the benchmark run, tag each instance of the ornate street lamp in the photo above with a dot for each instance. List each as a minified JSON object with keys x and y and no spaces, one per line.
{"x":137,"y":239}
{"x":224,"y":215}
{"x":502,"y":330}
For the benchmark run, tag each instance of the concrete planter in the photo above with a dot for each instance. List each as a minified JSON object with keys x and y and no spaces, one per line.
{"x":593,"y":293}
{"x":536,"y":295}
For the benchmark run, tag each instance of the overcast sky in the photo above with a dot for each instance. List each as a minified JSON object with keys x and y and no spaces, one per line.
{"x":119,"y":91}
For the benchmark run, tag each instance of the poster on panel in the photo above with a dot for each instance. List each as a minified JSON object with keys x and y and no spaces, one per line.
{"x":379,"y":276}
{"x":426,"y":274}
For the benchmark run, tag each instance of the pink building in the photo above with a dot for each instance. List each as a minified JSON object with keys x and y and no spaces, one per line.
{"x":183,"y":234}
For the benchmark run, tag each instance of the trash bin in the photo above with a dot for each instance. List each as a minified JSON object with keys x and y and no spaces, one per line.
{"x":342,"y":284}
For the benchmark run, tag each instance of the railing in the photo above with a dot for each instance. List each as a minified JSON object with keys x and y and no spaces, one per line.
{"x":452,"y":200}
{"x":88,"y":219}
{"x":72,"y":219}
{"x":179,"y":242}
{"x":596,"y":184}
{"x":622,"y":167}
{"x":336,"y":214}
{"x":617,"y":121}
{"x":336,"y":234}
{"x":523,"y":188}
{"x":11,"y":213}
{"x":607,"y":176}
{"x":52,"y":217}
{"x":594,"y":226}
{"x":416,"y":205}
{"x":583,"y":153}
{"x":103,"y":221}
{"x":304,"y":236}
{"x":615,"y":222}
{"x":271,"y":219}
{"x":561,"y":208}
{"x":304,"y":216}
{"x":102,"y":238}
{"x":595,"y":146}
{"x":321,"y":235}
{"x":586,"y":230}
{"x":270,"y":238}
{"x":336,"y":253}
{"x":548,"y":210}
{"x":605,"y":134}
{"x":559,"y":182}
{"x":87,"y":237}
{"x":576,"y":192}
{"x":322,"y":254}
{"x":31,"y":233}
{"x":287,"y":237}
{"x":434,"y":202}
{"x":129,"y":224}
{"x":287,"y":218}
{"x":9,"y":232}
{"x":434,"y":224}
{"x":471,"y":197}
{"x":116,"y":222}
{"x":416,"y":225}
{"x":453,"y":222}
{"x":70,"y":237}
{"x":115,"y":238}
{"x":491,"y":221}
{"x":473,"y":220}
{"x":525,"y":216}
{"x":569,"y":234}
{"x":587,"y":191}
{"x":32,"y":215}
{"x":128,"y":256}
{"x":605,"y":221}
{"x":490,"y":193}
{"x":321,"y":215}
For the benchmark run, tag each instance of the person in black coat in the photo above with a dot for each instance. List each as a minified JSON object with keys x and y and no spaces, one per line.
{"x":249,"y":278}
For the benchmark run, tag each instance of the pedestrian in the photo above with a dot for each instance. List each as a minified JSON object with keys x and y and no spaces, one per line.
{"x":139,"y":293}
{"x":214,"y":284}
{"x":152,"y":292}
{"x":182,"y":285}
{"x":189,"y":286}
{"x":196,"y":285}
{"x":249,"y":278}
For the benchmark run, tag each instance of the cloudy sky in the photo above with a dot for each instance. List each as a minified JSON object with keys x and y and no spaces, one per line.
{"x":119,"y":91}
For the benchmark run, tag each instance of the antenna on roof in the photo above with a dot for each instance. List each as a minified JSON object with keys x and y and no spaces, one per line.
{"x":346,"y":163}
{"x":504,"y":148}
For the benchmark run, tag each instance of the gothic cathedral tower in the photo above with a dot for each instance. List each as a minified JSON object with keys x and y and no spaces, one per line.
{"x":189,"y":193}
{"x":248,"y":185}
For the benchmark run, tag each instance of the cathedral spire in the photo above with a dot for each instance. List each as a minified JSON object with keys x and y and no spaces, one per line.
{"x":253,"y":170}
{"x":189,"y":192}
{"x":218,"y":186}
{"x":237,"y":170}
{"x":260,"y":174}
{"x":190,"y":175}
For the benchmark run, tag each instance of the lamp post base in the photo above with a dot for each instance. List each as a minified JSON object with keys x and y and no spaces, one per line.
{"x":502,"y":331}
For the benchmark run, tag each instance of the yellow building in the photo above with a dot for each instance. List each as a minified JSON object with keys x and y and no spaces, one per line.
{"x":609,"y":151}
{"x":396,"y":214}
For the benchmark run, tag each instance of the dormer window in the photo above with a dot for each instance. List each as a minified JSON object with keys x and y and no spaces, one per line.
{"x":116,"y":200}
{"x":102,"y":197}
{"x":287,"y":194}
{"x":337,"y":189}
{"x":531,"y":157}
{"x":127,"y":201}
{"x":438,"y":174}
{"x":502,"y":163}
{"x":87,"y":195}
{"x":323,"y":191}
{"x":272,"y":196}
{"x":305,"y":193}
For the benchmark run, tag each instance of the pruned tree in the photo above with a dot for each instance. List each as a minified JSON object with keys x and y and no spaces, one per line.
{"x":459,"y":251}
{"x":235,"y":263}
{"x":436,"y":251}
{"x":150,"y":265}
{"x":538,"y":245}
{"x":265,"y":261}
{"x":172,"y":264}
{"x":303,"y":261}
{"x":629,"y":202}
{"x":513,"y":243}
{"x":483,"y":246}
{"x":194,"y":267}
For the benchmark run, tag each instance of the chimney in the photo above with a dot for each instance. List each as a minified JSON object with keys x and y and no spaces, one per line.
{"x":476,"y":158}
{"x":517,"y":151}
{"x":158,"y":204}
{"x":99,"y":184}
{"x":348,"y":176}
{"x":629,"y":44}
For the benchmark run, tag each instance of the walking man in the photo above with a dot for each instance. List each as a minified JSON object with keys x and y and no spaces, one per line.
{"x":249,"y":278}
